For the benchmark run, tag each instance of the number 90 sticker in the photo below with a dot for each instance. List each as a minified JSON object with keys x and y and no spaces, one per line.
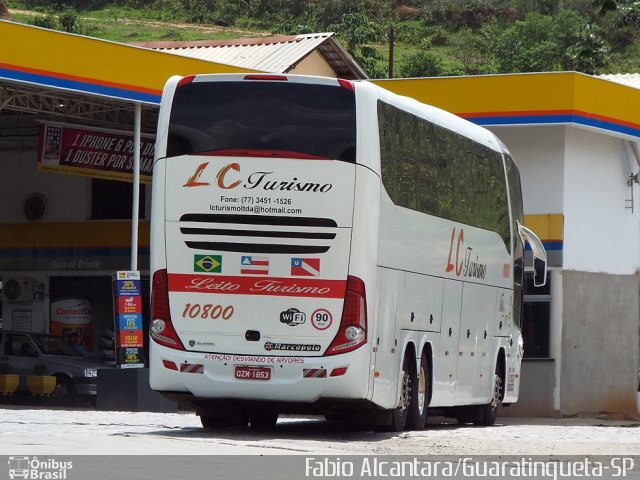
{"x":321,"y":319}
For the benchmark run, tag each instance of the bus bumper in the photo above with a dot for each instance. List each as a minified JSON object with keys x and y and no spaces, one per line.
{"x":289,"y":379}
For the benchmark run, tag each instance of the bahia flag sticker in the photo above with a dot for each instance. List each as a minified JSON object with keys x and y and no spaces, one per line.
{"x":254,"y":265}
{"x":207,"y":263}
{"x":305,"y":267}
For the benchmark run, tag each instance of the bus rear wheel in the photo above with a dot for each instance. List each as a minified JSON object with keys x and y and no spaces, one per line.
{"x":408,"y":397}
{"x":417,"y":418}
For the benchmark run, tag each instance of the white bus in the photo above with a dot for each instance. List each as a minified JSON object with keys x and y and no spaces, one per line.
{"x":326,"y":246}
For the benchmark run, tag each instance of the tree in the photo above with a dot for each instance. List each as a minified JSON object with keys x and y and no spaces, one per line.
{"x":46,"y":21}
{"x":422,"y":64}
{"x":604,"y":6}
{"x":356,"y":31}
{"x":70,"y":22}
{"x":472,"y":50}
{"x":590,"y":53}
{"x":201,"y":11}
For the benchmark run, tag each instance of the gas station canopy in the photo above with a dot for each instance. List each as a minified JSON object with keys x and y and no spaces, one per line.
{"x":53,"y":73}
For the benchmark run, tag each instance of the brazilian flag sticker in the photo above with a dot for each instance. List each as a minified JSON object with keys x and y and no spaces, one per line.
{"x":207,"y":263}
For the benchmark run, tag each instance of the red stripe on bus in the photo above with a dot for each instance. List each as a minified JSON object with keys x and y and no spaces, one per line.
{"x":274,"y":286}
{"x":191,"y":368}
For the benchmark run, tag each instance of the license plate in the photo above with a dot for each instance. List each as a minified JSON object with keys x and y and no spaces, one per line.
{"x":244,"y":372}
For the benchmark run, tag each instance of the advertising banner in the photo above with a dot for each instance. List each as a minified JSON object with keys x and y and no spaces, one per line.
{"x":92,"y":152}
{"x":128,"y":319}
{"x":71,"y":319}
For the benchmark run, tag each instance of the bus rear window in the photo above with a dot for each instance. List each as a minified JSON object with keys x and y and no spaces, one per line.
{"x":290,"y":119}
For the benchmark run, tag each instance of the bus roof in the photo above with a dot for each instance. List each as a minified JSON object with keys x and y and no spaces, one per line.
{"x":433,"y":114}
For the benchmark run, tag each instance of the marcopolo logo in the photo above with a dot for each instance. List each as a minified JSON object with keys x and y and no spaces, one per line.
{"x":291,"y":347}
{"x":38,"y":469}
{"x":254,"y":181}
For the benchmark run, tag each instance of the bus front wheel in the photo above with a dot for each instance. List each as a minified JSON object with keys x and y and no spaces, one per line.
{"x":489,"y":412}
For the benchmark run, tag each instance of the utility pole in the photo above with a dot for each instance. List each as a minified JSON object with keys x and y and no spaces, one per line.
{"x":392,"y":34}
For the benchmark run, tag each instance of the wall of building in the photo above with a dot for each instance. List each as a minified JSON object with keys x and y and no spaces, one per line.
{"x":555,"y":340}
{"x":536,"y":390}
{"x":601,"y":234}
{"x":65,"y":226}
{"x":600,"y":343}
{"x":583,"y":174}
{"x":68,"y":198}
{"x":539,"y":153}
{"x":314,"y":64}
{"x":601,"y":306}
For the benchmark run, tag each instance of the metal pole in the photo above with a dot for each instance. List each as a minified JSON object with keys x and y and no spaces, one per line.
{"x":392,"y":41}
{"x":136,"y":187}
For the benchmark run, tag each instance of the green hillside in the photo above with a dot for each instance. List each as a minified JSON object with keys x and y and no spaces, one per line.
{"x":429,"y":38}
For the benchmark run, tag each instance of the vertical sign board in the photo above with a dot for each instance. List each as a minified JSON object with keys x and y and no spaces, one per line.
{"x":128,"y":320}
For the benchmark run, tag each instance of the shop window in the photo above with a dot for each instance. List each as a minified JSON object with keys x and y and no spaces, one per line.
{"x":536,"y":321}
{"x":111,"y":200}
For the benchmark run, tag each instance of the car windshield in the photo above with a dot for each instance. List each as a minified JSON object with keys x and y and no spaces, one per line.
{"x":50,"y":345}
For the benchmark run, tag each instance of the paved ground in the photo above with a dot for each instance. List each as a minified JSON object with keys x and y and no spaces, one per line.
{"x":38,"y":431}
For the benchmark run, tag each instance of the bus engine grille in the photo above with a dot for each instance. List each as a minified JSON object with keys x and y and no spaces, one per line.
{"x":256,"y":233}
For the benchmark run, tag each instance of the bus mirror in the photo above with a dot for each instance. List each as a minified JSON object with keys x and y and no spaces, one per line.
{"x":539,"y":255}
{"x":539,"y":272}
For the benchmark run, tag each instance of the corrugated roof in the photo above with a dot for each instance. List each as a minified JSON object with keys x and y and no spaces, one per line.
{"x":269,"y":54}
{"x":628,"y":79}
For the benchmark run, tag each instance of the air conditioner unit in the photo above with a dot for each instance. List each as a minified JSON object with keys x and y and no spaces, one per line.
{"x":18,"y":289}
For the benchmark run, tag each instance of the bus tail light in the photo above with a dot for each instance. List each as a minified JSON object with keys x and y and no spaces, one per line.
{"x":266,"y":77}
{"x":185,"y":80}
{"x":353,"y":324}
{"x":168,"y":364}
{"x":161,"y":329}
{"x":338,"y":372}
{"x":348,"y":84}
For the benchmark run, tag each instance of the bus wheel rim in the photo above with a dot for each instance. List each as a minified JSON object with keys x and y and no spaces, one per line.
{"x":422,"y":390}
{"x":405,"y":391}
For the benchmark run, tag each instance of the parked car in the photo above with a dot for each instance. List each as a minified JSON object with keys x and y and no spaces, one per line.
{"x":75,"y":374}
